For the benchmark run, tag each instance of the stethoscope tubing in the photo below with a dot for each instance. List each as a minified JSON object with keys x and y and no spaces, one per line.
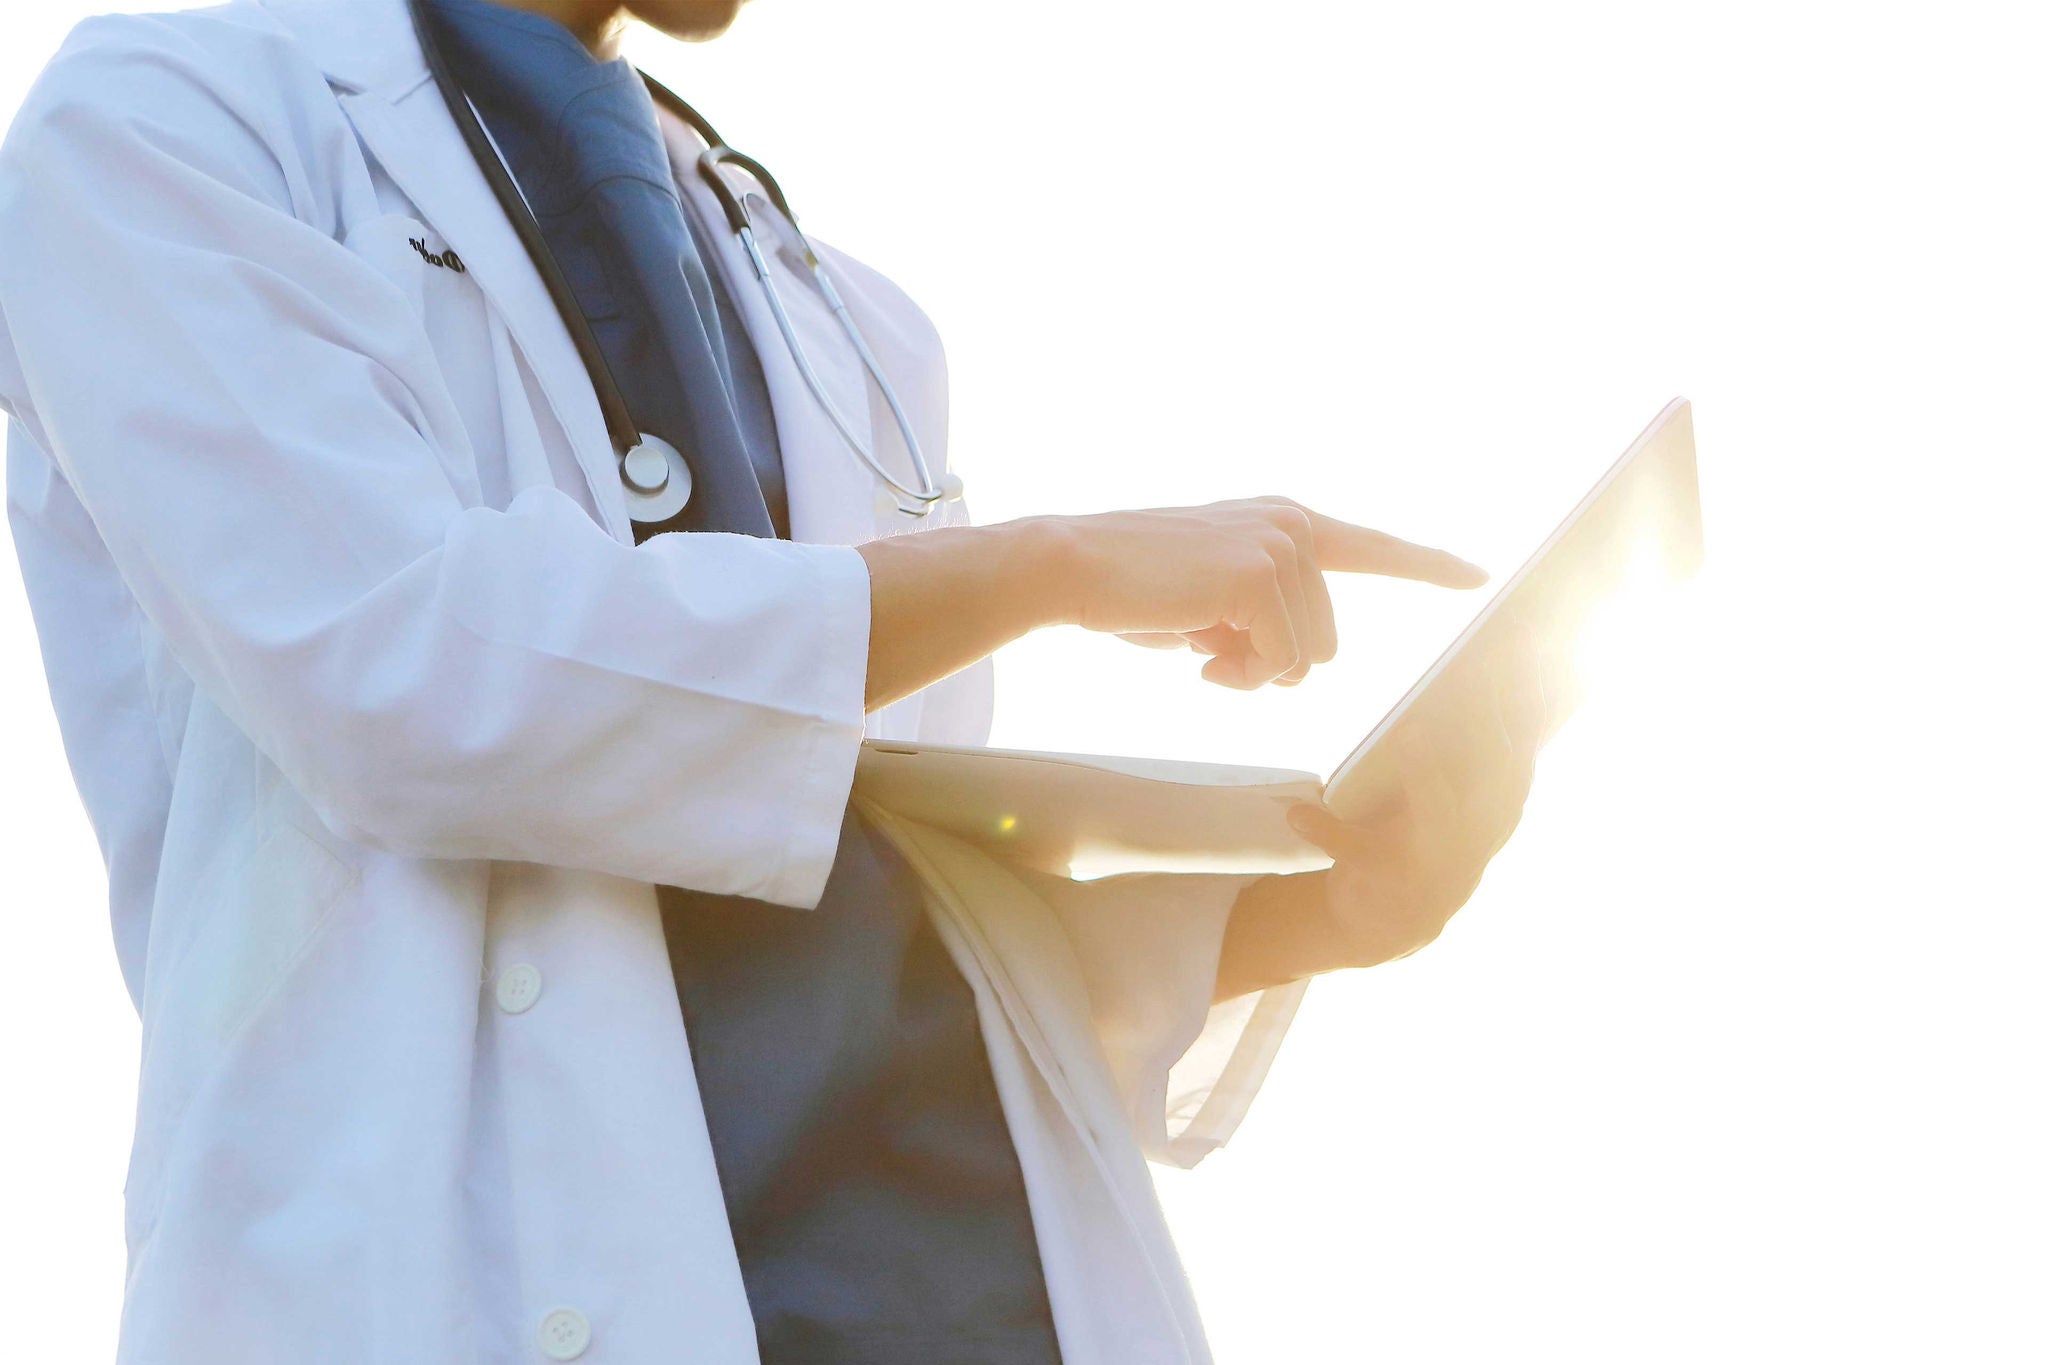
{"x":619,"y":425}
{"x":867,"y":358}
{"x":618,"y":419}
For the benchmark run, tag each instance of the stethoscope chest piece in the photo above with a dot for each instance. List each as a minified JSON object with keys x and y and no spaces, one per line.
{"x":656,"y":478}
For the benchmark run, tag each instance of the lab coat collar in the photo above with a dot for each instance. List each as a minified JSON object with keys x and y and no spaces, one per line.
{"x":362,"y":46}
{"x":368,"y":49}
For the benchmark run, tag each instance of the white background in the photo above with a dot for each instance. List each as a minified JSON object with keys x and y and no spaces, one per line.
{"x":1737,"y":1055}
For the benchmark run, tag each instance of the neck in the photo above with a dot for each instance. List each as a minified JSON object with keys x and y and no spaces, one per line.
{"x":596,"y":23}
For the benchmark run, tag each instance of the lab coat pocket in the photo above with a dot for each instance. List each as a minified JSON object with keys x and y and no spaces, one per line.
{"x":288,"y":889}
{"x":257,"y":924}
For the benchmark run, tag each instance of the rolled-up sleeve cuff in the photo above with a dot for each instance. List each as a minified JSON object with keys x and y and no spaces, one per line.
{"x":1209,"y":1088}
{"x":817,"y":804}
{"x":1148,"y":946}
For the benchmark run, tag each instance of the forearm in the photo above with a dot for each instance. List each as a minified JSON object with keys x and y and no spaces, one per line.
{"x":1279,"y":931}
{"x":940,"y":600}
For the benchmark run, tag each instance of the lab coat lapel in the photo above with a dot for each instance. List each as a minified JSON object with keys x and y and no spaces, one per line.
{"x":368,"y":49}
{"x":417,"y":143}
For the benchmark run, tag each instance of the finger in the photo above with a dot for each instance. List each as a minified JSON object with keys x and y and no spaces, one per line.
{"x":1322,"y":614}
{"x":1318,"y":625}
{"x":1472,"y":773}
{"x":1496,"y":823}
{"x":1428,"y":758}
{"x":1520,"y":690}
{"x":1496,"y":812}
{"x":1211,"y":640}
{"x":1559,"y":685}
{"x":1440,"y":730}
{"x":1343,"y":841}
{"x":1231,"y":652}
{"x":1289,"y":573}
{"x":1518,"y":715}
{"x":1344,"y":548}
{"x":1217,"y":640}
{"x":1230,"y":670}
{"x":1270,"y":624}
{"x":1490,"y":759}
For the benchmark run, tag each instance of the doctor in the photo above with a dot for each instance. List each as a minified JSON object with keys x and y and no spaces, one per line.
{"x":516,"y":982}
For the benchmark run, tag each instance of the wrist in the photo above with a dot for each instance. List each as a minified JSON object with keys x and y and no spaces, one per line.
{"x":1278,"y":933}
{"x":1035,"y":571}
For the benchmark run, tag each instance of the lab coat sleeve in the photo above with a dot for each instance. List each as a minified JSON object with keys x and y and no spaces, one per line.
{"x":261,"y":434}
{"x":1148,"y":947}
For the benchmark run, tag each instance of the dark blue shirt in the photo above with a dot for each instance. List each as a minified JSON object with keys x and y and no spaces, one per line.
{"x":869,"y":1177}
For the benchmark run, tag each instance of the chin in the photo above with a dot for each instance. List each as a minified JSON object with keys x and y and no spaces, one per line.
{"x":693,"y":21}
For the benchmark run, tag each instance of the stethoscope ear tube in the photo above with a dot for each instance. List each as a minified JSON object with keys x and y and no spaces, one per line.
{"x":710,"y":166}
{"x":655,"y":475}
{"x":718,"y":154}
{"x":928,"y":492}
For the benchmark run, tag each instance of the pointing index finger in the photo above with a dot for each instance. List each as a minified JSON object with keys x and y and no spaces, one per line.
{"x":1344,"y":548}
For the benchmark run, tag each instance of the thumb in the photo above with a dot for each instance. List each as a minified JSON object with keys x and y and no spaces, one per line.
{"x":1333,"y":836}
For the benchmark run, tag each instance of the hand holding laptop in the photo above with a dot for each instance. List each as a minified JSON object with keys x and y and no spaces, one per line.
{"x":1407,"y":863}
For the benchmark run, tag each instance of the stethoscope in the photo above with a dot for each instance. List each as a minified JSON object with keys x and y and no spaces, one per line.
{"x":655,"y":474}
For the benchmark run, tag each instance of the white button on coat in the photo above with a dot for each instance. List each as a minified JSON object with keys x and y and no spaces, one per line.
{"x":564,"y":1334}
{"x":518,"y":988}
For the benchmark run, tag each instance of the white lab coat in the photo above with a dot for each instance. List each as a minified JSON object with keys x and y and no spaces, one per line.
{"x":371,"y":699}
